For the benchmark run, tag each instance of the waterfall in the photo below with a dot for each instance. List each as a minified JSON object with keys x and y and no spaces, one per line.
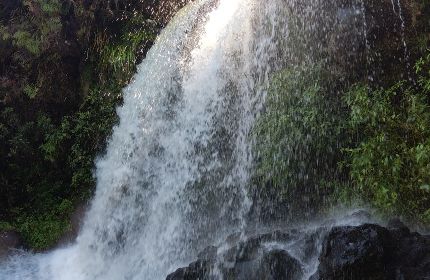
{"x":399,"y":13}
{"x":405,"y":46}
{"x":176,"y":173}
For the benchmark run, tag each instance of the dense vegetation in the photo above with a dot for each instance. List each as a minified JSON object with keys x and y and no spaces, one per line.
{"x":62,"y":67}
{"x":351,"y":128}
{"x":389,"y":161}
{"x":368,"y":144}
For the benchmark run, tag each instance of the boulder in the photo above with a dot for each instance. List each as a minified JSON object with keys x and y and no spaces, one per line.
{"x":365,"y":252}
{"x":279,"y":265}
{"x":354,"y":253}
{"x":249,"y":259}
{"x":374,"y":252}
{"x":197,"y":270}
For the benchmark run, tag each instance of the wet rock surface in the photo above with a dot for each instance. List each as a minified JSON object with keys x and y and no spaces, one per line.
{"x":10,"y":240}
{"x":374,"y":252}
{"x":274,"y":255}
{"x":368,"y":251}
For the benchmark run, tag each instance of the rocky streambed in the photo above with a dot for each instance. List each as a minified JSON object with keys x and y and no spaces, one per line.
{"x":329,"y":251}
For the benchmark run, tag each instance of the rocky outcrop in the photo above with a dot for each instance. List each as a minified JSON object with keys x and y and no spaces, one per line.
{"x":256,"y":257}
{"x":374,"y":252}
{"x":362,"y":252}
{"x":275,"y":255}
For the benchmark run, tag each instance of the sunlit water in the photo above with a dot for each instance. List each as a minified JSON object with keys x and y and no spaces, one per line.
{"x":177,"y":168}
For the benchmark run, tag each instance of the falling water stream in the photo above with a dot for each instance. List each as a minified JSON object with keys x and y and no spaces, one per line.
{"x":175,"y":175}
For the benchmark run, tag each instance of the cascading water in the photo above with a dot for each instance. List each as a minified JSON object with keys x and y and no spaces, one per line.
{"x":184,"y":124}
{"x":177,"y":169}
{"x":397,"y":9}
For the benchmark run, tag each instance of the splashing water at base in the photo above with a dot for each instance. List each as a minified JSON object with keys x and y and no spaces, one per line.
{"x":175,"y":175}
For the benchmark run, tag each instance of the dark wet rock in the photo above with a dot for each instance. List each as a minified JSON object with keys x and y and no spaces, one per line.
{"x":374,"y":252}
{"x":233,"y":238}
{"x":10,"y":240}
{"x":409,"y":255}
{"x":279,"y":265}
{"x":196,"y":270}
{"x":262,"y":263}
{"x":354,"y":252}
{"x":309,"y":245}
{"x":244,"y":251}
{"x":251,"y":248}
{"x":209,"y":253}
{"x":396,"y":223}
{"x":365,"y":252}
{"x":258,"y":257}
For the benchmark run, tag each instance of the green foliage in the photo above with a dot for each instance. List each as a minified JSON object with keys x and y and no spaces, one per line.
{"x":89,"y":129}
{"x":43,"y":7}
{"x":41,"y":232}
{"x":5,"y":226}
{"x":422,"y":69}
{"x":4,"y":34}
{"x":390,"y":163}
{"x":52,"y":165}
{"x":36,"y":28}
{"x":118,"y":57}
{"x":31,"y":91}
{"x":26,"y":40}
{"x":63,"y":67}
{"x":375,"y":148}
{"x":49,"y":7}
{"x":50,"y":26}
{"x":298,"y":136}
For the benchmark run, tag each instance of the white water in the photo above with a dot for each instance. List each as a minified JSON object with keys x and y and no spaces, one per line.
{"x":399,"y":13}
{"x":176,"y":172}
